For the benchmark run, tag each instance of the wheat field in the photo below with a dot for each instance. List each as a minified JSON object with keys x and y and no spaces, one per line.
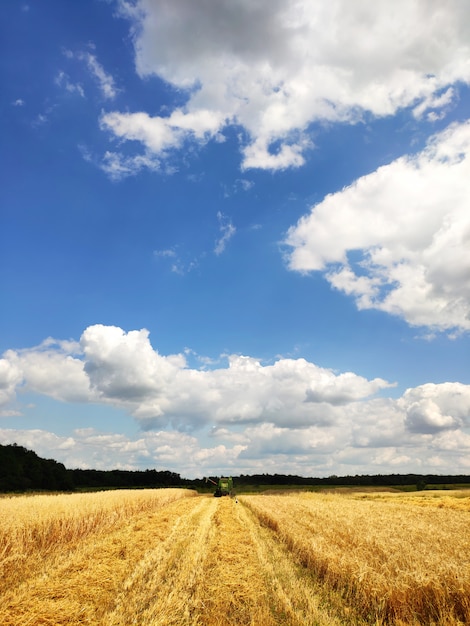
{"x":170,"y":557}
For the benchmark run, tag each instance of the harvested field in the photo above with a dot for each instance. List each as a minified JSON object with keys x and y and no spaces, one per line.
{"x":171,"y":557}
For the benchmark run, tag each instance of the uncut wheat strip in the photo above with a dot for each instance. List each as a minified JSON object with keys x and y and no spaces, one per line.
{"x":395,"y":550}
{"x":369,"y":552}
{"x":37,"y":521}
{"x":455,"y":499}
{"x":432,"y":597}
{"x":347,"y":527}
{"x":36,"y":527}
{"x":297,"y":597}
{"x":159,"y":590}
{"x":82,"y":585}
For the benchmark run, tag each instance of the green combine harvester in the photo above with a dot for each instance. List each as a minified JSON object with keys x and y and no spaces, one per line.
{"x":224,"y":487}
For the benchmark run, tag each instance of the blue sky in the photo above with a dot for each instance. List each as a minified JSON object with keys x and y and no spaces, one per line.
{"x":235,"y":236}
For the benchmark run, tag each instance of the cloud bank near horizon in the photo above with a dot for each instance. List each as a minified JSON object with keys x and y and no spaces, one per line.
{"x":291,"y":412}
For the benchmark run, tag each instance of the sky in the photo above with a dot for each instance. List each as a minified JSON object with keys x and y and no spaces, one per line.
{"x":235,"y":235}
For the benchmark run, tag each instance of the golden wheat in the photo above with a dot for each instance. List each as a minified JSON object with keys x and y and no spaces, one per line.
{"x":390,"y":559}
{"x":195,"y":562}
{"x":160,"y":558}
{"x":77,"y":582}
{"x":33,"y":527}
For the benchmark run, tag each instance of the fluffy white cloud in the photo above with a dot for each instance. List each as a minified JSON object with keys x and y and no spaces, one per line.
{"x":159,"y":134}
{"x":52,"y":369}
{"x":289,"y":416}
{"x":432,"y":408}
{"x":124,"y":365}
{"x":123,"y":369}
{"x":398,"y":240}
{"x":275,"y":66}
{"x":10,"y":378}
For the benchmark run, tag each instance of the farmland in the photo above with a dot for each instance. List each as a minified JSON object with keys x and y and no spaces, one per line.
{"x":170,"y":556}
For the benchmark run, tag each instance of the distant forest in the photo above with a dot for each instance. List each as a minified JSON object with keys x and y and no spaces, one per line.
{"x":23,"y":470}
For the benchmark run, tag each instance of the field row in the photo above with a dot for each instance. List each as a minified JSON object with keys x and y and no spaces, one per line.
{"x":394,"y":558}
{"x":170,"y":557}
{"x":190,"y":561}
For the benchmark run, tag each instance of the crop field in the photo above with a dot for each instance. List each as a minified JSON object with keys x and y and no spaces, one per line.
{"x":173,"y":557}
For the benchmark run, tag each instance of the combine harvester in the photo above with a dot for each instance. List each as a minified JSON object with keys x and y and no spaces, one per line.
{"x":224,"y":487}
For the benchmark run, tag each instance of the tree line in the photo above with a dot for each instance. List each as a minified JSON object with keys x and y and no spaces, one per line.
{"x":23,"y":470}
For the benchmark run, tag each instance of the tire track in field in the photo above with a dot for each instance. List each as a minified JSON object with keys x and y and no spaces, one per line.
{"x":251,"y":578}
{"x":298,"y":599}
{"x":160,"y":590}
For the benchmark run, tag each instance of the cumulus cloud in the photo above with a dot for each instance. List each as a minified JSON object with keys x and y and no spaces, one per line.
{"x":432,"y":408}
{"x":157,"y":390}
{"x":124,"y":365}
{"x":398,"y":240}
{"x":292,"y":413}
{"x":52,"y":369}
{"x":10,"y":378}
{"x":275,"y":66}
{"x":159,"y":134}
{"x":123,"y":369}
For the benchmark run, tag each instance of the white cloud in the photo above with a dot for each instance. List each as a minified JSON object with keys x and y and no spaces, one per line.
{"x":63,"y":80}
{"x":275,"y":66}
{"x":169,"y":252}
{"x":267,"y":440}
{"x":124,"y":366}
{"x":179,"y":262}
{"x":409,"y":224}
{"x":51,"y":369}
{"x":241,"y":184}
{"x":10,"y":378}
{"x":160,"y":134}
{"x":105,"y":81}
{"x":432,"y":408}
{"x":123,"y":369}
{"x":227,"y":231}
{"x":88,"y":448}
{"x":118,"y":166}
{"x":289,"y":416}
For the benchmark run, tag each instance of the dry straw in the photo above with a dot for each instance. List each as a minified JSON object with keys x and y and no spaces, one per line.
{"x":162,"y":558}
